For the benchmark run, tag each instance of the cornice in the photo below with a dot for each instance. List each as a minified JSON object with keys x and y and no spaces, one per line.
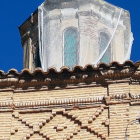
{"x":102,"y":74}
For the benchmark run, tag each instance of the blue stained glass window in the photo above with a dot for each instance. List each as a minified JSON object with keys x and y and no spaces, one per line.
{"x":104,"y":39}
{"x":70,"y":47}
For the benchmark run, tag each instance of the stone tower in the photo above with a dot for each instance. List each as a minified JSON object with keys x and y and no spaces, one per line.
{"x":76,"y":32}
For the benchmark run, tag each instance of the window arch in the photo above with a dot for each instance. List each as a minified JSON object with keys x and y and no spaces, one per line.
{"x":104,"y":39}
{"x":70,"y":47}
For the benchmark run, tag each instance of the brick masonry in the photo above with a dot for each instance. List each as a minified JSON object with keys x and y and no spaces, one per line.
{"x":70,"y":114}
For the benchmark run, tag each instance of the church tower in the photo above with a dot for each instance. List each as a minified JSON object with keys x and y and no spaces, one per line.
{"x":76,"y":32}
{"x":90,"y":103}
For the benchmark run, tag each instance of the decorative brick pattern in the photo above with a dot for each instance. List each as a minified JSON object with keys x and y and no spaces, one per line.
{"x":83,"y":135}
{"x":59,"y":124}
{"x":85,"y":112}
{"x":19,"y":130}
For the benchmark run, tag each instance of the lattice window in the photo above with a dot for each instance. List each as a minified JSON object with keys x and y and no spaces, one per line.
{"x":70,"y":47}
{"x":104,"y":39}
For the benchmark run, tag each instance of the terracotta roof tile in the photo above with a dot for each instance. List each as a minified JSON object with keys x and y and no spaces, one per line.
{"x":66,"y":70}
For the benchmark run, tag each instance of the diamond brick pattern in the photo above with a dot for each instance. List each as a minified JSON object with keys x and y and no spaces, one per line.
{"x":60,"y":124}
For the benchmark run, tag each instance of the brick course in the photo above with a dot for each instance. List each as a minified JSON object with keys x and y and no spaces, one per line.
{"x":107,"y":109}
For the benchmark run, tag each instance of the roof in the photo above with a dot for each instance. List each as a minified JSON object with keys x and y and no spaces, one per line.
{"x":28,"y":23}
{"x":76,"y":69}
{"x":102,"y":74}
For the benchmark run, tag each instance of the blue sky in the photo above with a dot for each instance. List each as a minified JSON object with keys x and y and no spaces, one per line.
{"x":14,"y":12}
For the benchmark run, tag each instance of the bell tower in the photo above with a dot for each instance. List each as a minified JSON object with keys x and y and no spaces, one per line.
{"x":76,"y":32}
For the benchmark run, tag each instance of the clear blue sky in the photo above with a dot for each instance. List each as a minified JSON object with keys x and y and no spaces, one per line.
{"x":14,"y":12}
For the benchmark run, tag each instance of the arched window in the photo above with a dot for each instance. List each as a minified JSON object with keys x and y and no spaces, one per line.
{"x":104,"y":39}
{"x":70,"y":47}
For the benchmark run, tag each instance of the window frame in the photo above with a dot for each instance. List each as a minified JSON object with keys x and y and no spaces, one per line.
{"x":77,"y":46}
{"x":105,"y":31}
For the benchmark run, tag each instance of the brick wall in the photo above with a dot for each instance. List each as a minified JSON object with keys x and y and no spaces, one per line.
{"x":71,"y":114}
